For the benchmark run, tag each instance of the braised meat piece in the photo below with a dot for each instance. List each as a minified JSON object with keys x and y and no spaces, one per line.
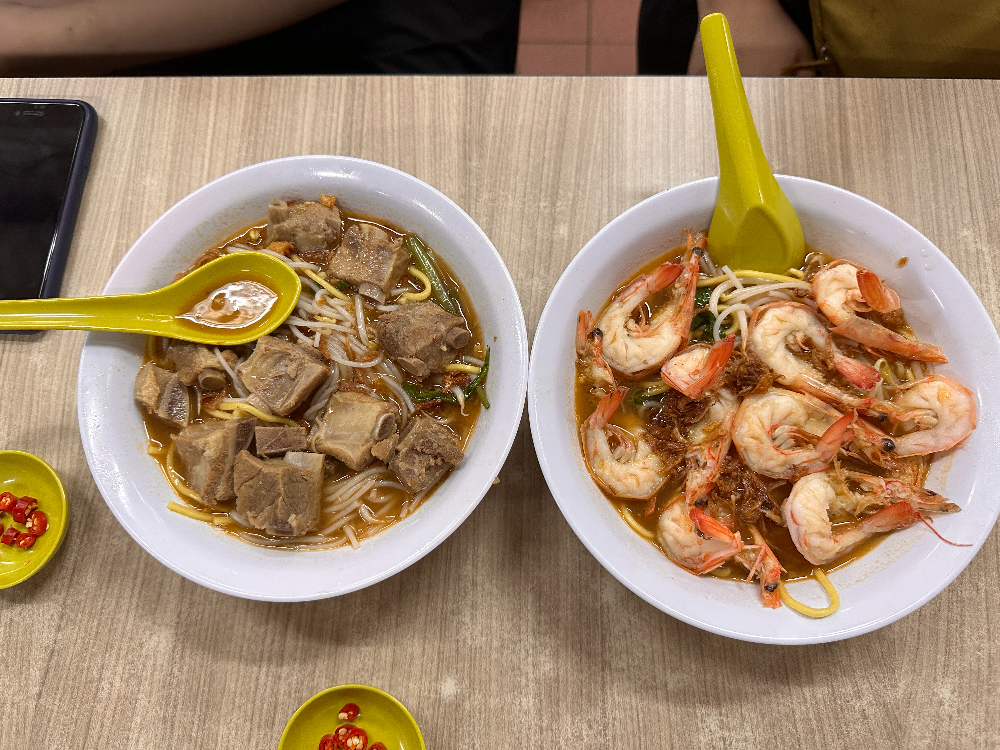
{"x":369,"y":260}
{"x":208,"y":451}
{"x":196,"y":363}
{"x":426,"y":450}
{"x":279,"y":496}
{"x":422,"y":337}
{"x":309,"y":226}
{"x":281,"y":374}
{"x":354,"y":424}
{"x":275,"y":441}
{"x":162,"y":394}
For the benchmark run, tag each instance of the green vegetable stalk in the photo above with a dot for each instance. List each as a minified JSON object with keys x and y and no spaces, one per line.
{"x":420,"y":396}
{"x":422,"y":260}
{"x":478,"y":384}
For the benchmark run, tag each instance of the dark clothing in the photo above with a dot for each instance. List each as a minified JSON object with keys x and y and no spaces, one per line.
{"x":667,"y":29}
{"x":370,"y":36}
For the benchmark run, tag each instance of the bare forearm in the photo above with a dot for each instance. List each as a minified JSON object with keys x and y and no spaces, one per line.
{"x":137,"y":28}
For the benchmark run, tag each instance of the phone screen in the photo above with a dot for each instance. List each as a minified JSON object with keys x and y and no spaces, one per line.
{"x":38,"y":143}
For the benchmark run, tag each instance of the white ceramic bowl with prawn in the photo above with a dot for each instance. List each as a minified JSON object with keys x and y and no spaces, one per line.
{"x":111,"y":426}
{"x":907,"y":569}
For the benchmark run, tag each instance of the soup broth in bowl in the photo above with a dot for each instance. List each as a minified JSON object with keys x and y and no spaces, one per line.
{"x":277,"y":563}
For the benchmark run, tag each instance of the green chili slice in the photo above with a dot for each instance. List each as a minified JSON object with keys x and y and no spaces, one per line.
{"x":478,"y":384}
{"x":420,"y":396}
{"x":422,"y":260}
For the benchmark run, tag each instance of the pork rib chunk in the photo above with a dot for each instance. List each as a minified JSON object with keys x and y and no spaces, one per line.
{"x":426,"y":450}
{"x":275,"y":441}
{"x":309,"y":226}
{"x":279,"y":496}
{"x":422,"y":338}
{"x":197,"y":363}
{"x":208,"y":452}
{"x":162,"y":394}
{"x":353,"y":425}
{"x":369,"y":260}
{"x":281,"y":374}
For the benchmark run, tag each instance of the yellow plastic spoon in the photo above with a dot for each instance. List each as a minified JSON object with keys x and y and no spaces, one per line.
{"x":161,"y":313}
{"x":754,"y":225}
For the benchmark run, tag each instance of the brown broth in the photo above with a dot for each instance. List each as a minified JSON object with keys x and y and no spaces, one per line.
{"x":777,"y":536}
{"x":160,"y":435}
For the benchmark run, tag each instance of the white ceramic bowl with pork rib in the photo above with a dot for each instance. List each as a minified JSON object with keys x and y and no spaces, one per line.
{"x":904,"y":571}
{"x":114,"y":436}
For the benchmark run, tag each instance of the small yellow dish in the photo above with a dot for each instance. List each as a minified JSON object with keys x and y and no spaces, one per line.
{"x":24,"y":474}
{"x":383,"y":718}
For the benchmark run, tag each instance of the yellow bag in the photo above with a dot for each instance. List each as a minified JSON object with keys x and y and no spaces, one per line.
{"x":909,"y":38}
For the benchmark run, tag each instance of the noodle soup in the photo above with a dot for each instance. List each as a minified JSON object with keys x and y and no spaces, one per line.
{"x":345,"y":419}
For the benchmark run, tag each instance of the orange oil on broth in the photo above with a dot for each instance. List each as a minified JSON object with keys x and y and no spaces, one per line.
{"x":160,"y":435}
{"x":778,"y":537}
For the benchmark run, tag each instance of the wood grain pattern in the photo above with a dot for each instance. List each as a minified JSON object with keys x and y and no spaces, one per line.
{"x":510,"y":630}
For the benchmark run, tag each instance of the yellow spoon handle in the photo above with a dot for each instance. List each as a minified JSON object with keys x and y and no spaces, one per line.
{"x":743,"y":167}
{"x":111,"y":313}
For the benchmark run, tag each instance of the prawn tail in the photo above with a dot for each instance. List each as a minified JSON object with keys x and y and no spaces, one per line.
{"x":875,"y":293}
{"x":606,"y":409}
{"x":860,"y":374}
{"x":663,"y":277}
{"x":872,"y":334}
{"x":836,"y":436}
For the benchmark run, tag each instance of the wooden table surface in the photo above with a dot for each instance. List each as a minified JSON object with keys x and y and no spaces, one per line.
{"x":509,"y":634}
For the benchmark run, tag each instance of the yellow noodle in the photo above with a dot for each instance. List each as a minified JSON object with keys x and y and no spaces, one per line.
{"x":459,"y":367}
{"x":636,"y":526}
{"x":744,"y":274}
{"x":804,"y":609}
{"x":190,"y":512}
{"x":176,"y":479}
{"x":418,"y":296}
{"x":322,"y":282}
{"x":217,"y":414}
{"x":796,"y":273}
{"x":238,"y":406}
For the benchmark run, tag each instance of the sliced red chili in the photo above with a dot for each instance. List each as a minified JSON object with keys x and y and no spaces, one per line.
{"x":7,"y":500}
{"x":25,"y":540}
{"x":377,"y":746}
{"x":23,"y":508}
{"x":341,"y":733}
{"x":9,"y":536}
{"x":349,"y":712}
{"x":329,"y":742}
{"x":37,"y":523}
{"x":356,"y":740}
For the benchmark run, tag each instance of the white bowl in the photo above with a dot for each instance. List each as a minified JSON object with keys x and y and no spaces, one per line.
{"x":904,"y":571}
{"x":112,"y":429}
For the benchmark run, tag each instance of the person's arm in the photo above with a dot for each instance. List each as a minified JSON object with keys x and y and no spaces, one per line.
{"x":53,"y":37}
{"x":766,"y":40}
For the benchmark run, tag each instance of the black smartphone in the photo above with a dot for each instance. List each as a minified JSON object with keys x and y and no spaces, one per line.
{"x":45,"y":150}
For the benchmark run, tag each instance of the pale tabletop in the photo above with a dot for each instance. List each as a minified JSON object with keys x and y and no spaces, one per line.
{"x":510,"y":634}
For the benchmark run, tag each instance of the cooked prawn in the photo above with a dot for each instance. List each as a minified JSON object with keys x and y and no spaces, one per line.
{"x":695,"y":370}
{"x":843,"y":289}
{"x":635,"y":470}
{"x":807,"y":515}
{"x":953,"y":410}
{"x":709,"y":439}
{"x":880,"y":491}
{"x":787,"y":435}
{"x":695,"y":540}
{"x":635,"y":348}
{"x":589,"y":349}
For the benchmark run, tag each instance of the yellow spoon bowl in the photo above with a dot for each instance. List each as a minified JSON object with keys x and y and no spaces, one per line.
{"x":383,"y":718}
{"x":159,"y":313}
{"x":24,"y":474}
{"x":754,"y":226}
